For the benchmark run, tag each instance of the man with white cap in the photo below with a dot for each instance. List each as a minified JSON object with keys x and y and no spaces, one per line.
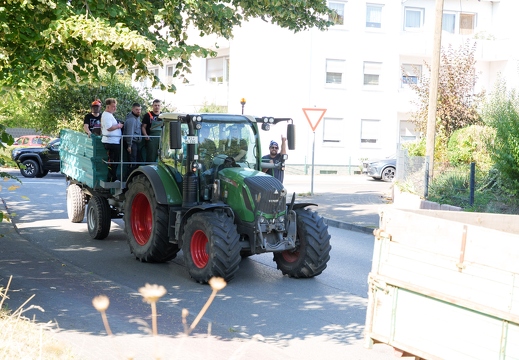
{"x":275,"y":157}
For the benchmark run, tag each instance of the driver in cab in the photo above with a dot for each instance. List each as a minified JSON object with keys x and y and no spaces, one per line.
{"x":236,"y":147}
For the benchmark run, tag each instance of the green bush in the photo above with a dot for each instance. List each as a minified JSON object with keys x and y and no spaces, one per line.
{"x":469,"y":145}
{"x":501,"y":113}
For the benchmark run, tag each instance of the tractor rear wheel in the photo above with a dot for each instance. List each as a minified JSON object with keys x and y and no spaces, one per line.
{"x":98,"y":218}
{"x":211,"y":246}
{"x":312,"y":253}
{"x":146,"y":223}
{"x":75,"y":203}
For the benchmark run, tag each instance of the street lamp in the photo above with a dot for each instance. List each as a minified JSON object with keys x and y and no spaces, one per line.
{"x":242,"y":102}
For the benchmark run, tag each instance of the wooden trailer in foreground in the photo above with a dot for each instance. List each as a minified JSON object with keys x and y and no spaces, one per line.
{"x":445,"y":284}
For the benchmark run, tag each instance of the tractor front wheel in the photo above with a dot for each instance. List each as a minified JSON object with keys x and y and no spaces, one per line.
{"x":312,"y":253}
{"x":211,"y":246}
{"x":146,"y":223}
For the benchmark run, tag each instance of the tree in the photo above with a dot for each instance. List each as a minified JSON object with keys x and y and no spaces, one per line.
{"x":458,"y":104}
{"x":74,"y":41}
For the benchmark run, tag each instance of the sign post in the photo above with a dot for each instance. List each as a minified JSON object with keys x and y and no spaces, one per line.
{"x":314,"y":117}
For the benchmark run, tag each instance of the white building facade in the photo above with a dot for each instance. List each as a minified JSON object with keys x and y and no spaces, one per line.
{"x":353,"y":70}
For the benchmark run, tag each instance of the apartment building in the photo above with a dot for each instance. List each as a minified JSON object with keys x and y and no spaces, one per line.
{"x":353,"y":70}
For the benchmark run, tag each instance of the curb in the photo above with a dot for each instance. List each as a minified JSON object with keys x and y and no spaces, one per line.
{"x":347,"y":226}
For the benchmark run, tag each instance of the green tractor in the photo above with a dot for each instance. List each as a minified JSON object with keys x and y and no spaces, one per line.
{"x":208,"y":196}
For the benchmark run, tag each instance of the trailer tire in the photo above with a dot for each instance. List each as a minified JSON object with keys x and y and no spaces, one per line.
{"x":98,"y":218}
{"x":211,"y":246}
{"x":312,"y":253}
{"x":75,"y":203}
{"x":146,"y":224}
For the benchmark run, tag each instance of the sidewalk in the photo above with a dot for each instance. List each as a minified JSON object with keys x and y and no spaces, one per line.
{"x":350,"y":202}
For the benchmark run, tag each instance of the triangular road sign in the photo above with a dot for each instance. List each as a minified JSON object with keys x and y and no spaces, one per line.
{"x":314,"y":116}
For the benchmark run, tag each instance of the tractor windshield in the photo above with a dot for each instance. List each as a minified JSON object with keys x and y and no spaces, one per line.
{"x":220,"y":139}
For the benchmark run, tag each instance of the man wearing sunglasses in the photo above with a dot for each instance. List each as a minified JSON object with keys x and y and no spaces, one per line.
{"x":275,"y":156}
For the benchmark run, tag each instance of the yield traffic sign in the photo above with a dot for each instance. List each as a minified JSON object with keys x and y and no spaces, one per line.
{"x":314,"y":116}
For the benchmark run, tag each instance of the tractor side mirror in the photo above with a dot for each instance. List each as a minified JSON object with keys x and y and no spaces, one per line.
{"x":291,"y":136}
{"x":175,"y":135}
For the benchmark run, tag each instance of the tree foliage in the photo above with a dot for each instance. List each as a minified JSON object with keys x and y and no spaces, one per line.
{"x":457,"y":104}
{"x":62,"y":41}
{"x":56,"y":106}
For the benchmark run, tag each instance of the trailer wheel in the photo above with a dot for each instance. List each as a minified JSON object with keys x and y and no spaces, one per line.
{"x":312,"y":253}
{"x":98,"y":218}
{"x":211,"y":246}
{"x":146,"y":224}
{"x":75,"y":203}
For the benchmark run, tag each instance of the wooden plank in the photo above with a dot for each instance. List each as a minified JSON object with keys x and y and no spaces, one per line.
{"x":500,"y":222}
{"x":511,"y":348}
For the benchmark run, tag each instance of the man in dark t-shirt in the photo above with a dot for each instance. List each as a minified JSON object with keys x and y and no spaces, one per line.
{"x":92,"y":120}
{"x":275,"y":157}
{"x":151,"y":131}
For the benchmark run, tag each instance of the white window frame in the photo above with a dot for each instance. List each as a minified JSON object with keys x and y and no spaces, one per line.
{"x":411,"y":74}
{"x":407,"y":16}
{"x":369,"y":133}
{"x":217,"y":70}
{"x":372,"y":69}
{"x":333,"y":131}
{"x":334,"y":69}
{"x":407,"y":131}
{"x":339,"y":20}
{"x":156,"y":72}
{"x":457,"y":22}
{"x":372,"y":23}
{"x":170,"y":70}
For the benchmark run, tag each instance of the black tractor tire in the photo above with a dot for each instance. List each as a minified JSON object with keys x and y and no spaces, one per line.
{"x":75,"y":203}
{"x":312,"y":253}
{"x":146,"y":224}
{"x":31,"y":168}
{"x":98,"y":218}
{"x":211,"y":246}
{"x":42,"y":173}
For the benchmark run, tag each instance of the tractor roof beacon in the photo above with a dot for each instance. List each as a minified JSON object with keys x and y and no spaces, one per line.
{"x":206,"y":195}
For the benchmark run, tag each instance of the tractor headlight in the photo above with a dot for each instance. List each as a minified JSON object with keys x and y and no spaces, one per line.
{"x":281,"y":219}
{"x":262,"y":220}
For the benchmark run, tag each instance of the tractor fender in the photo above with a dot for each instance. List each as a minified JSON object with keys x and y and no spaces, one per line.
{"x":164,"y":185}
{"x":301,"y":205}
{"x":179,"y":228}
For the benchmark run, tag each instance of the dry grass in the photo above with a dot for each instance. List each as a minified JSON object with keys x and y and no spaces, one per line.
{"x":22,"y":338}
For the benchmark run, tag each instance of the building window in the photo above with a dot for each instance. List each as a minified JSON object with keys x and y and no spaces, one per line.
{"x":334,"y":71}
{"x":411,"y":74}
{"x":413,"y":18}
{"x":467,"y":22}
{"x":333,"y":130}
{"x":170,"y":71}
{"x":408,"y":131}
{"x":155,"y":72}
{"x":372,"y":72}
{"x":338,"y":12}
{"x":459,"y":23}
{"x":217,"y":70}
{"x":374,"y":16}
{"x":369,"y":132}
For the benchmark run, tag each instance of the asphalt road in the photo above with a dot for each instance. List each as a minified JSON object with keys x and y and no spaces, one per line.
{"x":321,"y":317}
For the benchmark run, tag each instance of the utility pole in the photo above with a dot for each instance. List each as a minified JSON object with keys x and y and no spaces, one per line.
{"x":433,"y":87}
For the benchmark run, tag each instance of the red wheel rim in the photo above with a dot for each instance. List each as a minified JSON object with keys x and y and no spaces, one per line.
{"x":290,"y":256}
{"x":198,"y":249}
{"x":141,"y":219}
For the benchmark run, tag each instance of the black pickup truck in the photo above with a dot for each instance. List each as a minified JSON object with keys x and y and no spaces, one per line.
{"x":38,"y":161}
